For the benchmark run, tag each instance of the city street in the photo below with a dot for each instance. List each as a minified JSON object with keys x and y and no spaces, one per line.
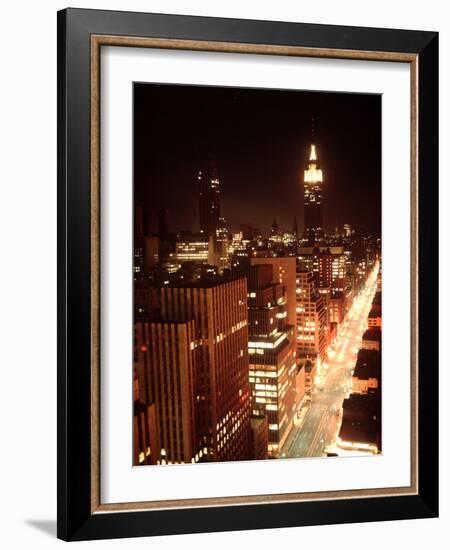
{"x":321,"y":423}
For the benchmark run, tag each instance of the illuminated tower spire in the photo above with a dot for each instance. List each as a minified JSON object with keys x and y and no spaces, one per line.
{"x":313,"y":174}
{"x":313,"y":193}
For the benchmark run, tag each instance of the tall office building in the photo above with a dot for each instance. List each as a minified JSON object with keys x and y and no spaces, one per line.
{"x":329,"y":267}
{"x":259,"y":437}
{"x":209,"y":199}
{"x":219,"y":247}
{"x":145,"y":433}
{"x":313,"y":198}
{"x":332,"y":270}
{"x":272,"y":353}
{"x":151,"y":252}
{"x":163,"y":223}
{"x":312,"y":325}
{"x":331,"y":280}
{"x":275,"y":228}
{"x":328,"y":264}
{"x":138,"y":243}
{"x":165,"y":238}
{"x":165,"y":365}
{"x":146,"y":448}
{"x":191,"y":248}
{"x":295,"y":227}
{"x":221,"y":387}
{"x":139,"y":222}
{"x":138,"y":258}
{"x":284,"y":273}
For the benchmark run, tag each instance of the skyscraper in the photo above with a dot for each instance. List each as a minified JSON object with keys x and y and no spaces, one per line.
{"x":163,"y":223}
{"x":313,"y":198}
{"x":295,"y":227}
{"x":275,"y":227}
{"x":209,"y":199}
{"x":284,"y":273}
{"x":165,"y":368}
{"x":138,"y":243}
{"x":272,"y":352}
{"x":311,"y":325}
{"x":221,"y":387}
{"x":221,"y":245}
{"x":331,"y":272}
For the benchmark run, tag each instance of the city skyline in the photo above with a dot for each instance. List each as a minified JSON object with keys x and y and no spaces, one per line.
{"x":252,"y":340}
{"x":260,"y":142}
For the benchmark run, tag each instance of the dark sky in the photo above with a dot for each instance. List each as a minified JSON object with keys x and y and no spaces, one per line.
{"x":260,"y":140}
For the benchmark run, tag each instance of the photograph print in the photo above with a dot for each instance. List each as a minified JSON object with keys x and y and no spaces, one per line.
{"x":257,"y":274}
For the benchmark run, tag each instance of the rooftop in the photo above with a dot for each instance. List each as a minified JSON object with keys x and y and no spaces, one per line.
{"x":373,"y":334}
{"x":361,"y":421}
{"x":205,"y":282}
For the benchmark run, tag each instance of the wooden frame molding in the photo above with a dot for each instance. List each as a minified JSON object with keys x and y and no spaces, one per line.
{"x":82,"y":33}
{"x":96,"y":42}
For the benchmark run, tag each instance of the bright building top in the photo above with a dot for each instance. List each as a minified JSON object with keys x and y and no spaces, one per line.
{"x":313,"y":174}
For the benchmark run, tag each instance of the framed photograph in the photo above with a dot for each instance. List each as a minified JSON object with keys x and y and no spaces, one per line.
{"x":247,"y":254}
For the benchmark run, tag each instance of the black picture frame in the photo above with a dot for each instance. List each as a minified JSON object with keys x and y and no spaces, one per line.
{"x":75,"y":518}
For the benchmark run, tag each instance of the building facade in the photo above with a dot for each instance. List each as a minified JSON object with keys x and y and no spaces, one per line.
{"x":191,"y":248}
{"x":284,"y":273}
{"x":272,"y":355}
{"x":208,"y":199}
{"x":146,"y":448}
{"x":221,"y":388}
{"x":367,"y":374}
{"x":165,"y":367}
{"x":312,"y":326}
{"x":329,"y":267}
{"x":374,"y":319}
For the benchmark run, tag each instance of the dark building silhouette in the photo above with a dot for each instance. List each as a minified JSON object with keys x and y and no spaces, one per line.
{"x":361,"y":423}
{"x":295,"y":227}
{"x":367,"y":374}
{"x":221,"y":390}
{"x":138,"y":243}
{"x":165,"y":369}
{"x":259,"y":437}
{"x":163,"y":223}
{"x":249,"y":232}
{"x":275,"y":227}
{"x":209,"y":199}
{"x":145,"y":432}
{"x":139,"y":222}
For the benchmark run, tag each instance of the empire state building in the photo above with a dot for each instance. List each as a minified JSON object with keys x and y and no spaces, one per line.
{"x":313,"y":198}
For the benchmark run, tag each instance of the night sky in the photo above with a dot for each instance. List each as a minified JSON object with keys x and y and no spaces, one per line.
{"x":260,"y":141}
